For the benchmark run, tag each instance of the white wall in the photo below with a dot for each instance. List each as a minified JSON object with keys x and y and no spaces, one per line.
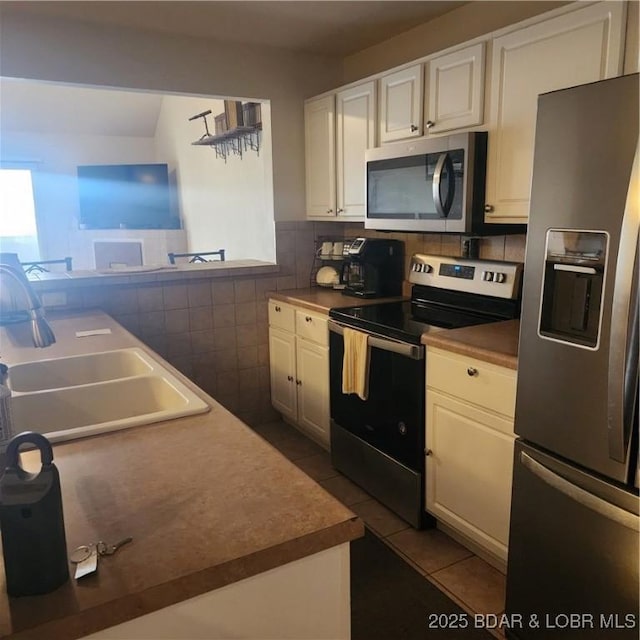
{"x":225,"y":205}
{"x":51,"y":49}
{"x":55,"y":182}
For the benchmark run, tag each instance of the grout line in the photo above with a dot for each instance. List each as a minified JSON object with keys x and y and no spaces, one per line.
{"x":420,"y":569}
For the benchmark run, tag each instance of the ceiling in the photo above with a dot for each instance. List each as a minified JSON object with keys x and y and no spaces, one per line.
{"x":333,"y":27}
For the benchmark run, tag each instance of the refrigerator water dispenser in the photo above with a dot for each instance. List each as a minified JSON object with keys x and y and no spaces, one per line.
{"x":573,"y":286}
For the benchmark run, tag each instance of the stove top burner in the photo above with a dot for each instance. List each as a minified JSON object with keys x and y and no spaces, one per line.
{"x":390,"y":319}
{"x":407,"y":321}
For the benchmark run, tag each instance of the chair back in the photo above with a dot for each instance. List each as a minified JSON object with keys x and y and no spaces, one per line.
{"x":206,"y":256}
{"x":38,"y":266}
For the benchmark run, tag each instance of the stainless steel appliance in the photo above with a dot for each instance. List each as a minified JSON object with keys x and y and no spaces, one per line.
{"x":434,"y":184}
{"x":373,"y":268}
{"x":379,"y":442}
{"x":573,"y":546}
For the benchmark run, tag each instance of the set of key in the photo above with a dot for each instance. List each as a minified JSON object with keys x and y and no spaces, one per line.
{"x":85,"y":557}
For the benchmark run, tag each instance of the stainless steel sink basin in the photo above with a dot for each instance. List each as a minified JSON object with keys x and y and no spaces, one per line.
{"x":67,"y":398}
{"x":75,"y":370}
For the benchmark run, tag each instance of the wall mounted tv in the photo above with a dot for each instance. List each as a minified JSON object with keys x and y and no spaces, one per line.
{"x":125,"y":196}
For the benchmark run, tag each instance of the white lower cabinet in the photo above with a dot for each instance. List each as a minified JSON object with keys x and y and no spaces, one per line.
{"x":469,"y":438}
{"x":299,"y":367}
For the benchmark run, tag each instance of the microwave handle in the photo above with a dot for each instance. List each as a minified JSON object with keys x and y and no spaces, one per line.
{"x":443,"y":208}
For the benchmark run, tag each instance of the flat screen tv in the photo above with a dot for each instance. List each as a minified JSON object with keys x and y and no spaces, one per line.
{"x":125,"y":196}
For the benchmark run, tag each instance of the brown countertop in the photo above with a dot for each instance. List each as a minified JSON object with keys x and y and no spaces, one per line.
{"x":321,"y":300}
{"x":496,"y":342}
{"x":207,"y":502}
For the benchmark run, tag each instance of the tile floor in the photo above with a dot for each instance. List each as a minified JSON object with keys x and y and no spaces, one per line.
{"x":468,"y":580}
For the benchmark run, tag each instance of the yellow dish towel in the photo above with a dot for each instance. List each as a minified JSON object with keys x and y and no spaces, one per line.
{"x":355,"y":364}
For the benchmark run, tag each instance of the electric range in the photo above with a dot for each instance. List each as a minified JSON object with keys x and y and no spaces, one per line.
{"x":379,"y":442}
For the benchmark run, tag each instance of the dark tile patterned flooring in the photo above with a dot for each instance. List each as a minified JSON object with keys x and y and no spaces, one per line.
{"x":472,"y":583}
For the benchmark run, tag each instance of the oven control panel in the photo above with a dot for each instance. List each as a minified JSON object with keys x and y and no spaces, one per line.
{"x":484,"y":277}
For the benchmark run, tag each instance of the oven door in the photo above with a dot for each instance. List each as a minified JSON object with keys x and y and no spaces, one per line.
{"x":392,"y":417}
{"x":379,"y":442}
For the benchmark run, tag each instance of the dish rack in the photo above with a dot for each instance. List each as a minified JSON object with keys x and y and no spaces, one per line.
{"x":322,"y":258}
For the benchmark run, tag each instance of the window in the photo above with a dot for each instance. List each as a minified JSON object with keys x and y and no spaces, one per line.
{"x":18,"y":230}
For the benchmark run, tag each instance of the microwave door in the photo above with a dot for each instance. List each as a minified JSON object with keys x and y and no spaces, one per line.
{"x":443,"y":173}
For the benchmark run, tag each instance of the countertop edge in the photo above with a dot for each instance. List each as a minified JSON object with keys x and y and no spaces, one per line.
{"x":487,"y":355}
{"x":192,"y":585}
{"x":495,"y":343}
{"x":322,"y":300}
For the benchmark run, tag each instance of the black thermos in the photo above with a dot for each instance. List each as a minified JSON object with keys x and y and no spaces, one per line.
{"x":33,"y":541}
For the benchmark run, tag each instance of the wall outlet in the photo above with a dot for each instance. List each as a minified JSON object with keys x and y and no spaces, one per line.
{"x":54,"y":299}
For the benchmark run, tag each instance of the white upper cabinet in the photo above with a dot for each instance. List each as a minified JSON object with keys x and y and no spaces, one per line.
{"x":401,"y":104}
{"x":320,"y":157}
{"x":355,"y":133}
{"x":338,"y":130}
{"x":574,"y":48}
{"x":455,"y":90}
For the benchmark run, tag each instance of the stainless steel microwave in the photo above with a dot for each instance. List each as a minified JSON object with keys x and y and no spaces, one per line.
{"x":430,"y":185}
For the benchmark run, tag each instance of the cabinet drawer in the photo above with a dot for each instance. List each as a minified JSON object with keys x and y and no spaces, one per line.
{"x":282,"y":315}
{"x":484,"y":384}
{"x":312,"y":326}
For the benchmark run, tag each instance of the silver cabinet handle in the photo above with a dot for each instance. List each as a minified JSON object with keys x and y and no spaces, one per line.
{"x":413,"y":127}
{"x":429,"y":124}
{"x":278,"y":309}
{"x":427,"y":452}
{"x":339,"y":210}
{"x":290,"y":378}
{"x":308,"y":319}
{"x":472,"y":371}
{"x":579,"y":495}
{"x":488,"y":208}
{"x":329,"y":210}
{"x":299,"y":382}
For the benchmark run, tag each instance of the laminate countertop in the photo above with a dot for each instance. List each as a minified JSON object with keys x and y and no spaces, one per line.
{"x":496,"y":342}
{"x":322,"y":300}
{"x":207,"y":501}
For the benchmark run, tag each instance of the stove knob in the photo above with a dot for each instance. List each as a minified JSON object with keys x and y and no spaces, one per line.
{"x":487,"y":276}
{"x":499,"y":277}
{"x":415,"y":266}
{"x":427,"y":268}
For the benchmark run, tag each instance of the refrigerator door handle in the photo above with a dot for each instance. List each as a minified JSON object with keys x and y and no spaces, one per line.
{"x":579,"y":495}
{"x":623,"y":370}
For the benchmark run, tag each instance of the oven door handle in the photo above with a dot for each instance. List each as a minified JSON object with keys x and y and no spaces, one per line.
{"x":413,"y":351}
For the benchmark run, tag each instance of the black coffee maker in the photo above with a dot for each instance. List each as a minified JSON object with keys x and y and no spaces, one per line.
{"x":373,"y":268}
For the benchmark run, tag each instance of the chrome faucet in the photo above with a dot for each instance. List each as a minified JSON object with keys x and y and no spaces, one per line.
{"x":42,"y":333}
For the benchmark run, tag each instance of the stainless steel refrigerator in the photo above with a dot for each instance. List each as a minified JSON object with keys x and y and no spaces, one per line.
{"x":573,"y":545}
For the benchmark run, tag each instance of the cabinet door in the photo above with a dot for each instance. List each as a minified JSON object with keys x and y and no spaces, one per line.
{"x":575,"y":48}
{"x":282,"y":364}
{"x":456,"y":90}
{"x":401,"y":104}
{"x":468,"y":470}
{"x":313,"y":389}
{"x":355,"y":133}
{"x":320,"y":163}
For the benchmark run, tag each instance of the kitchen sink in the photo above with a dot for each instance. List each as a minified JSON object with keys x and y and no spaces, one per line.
{"x":64,"y":414}
{"x":56,"y":373}
{"x":73,"y":397}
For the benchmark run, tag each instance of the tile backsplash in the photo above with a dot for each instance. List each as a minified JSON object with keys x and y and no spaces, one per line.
{"x":215,"y":329}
